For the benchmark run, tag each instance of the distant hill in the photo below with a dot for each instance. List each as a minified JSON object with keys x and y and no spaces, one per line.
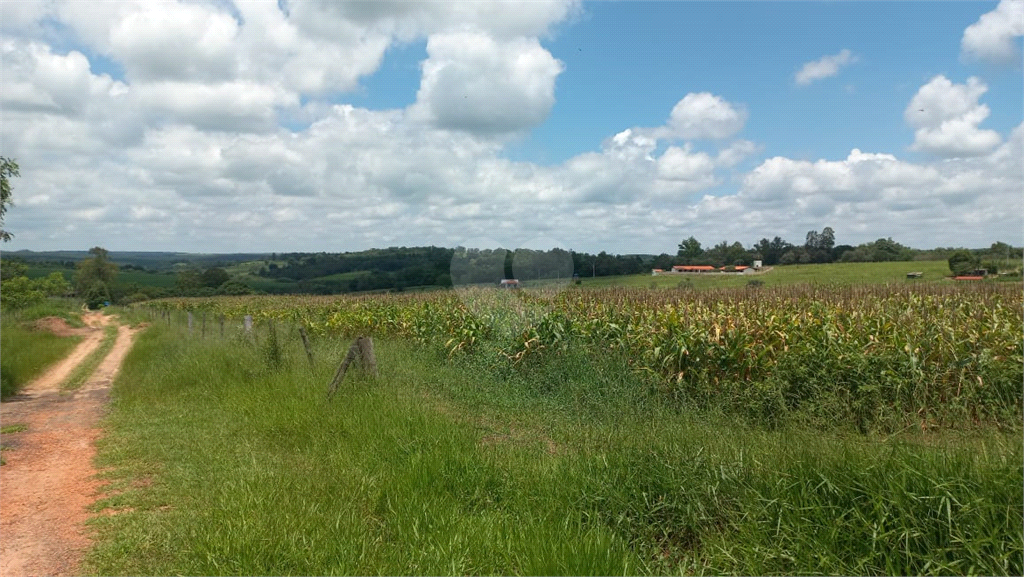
{"x":148,"y":260}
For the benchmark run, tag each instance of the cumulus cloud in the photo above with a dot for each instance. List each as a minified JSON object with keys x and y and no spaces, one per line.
{"x":475,"y":83}
{"x":175,"y":42}
{"x":853,"y":195}
{"x":824,"y":67}
{"x":994,"y":36}
{"x":191,"y":154}
{"x":946,"y":116}
{"x":702,"y":115}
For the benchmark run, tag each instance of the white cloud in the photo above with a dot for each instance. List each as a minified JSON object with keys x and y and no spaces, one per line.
{"x":824,"y":67}
{"x":191,"y":154}
{"x":176,"y":42}
{"x":994,"y":36}
{"x":946,"y":116}
{"x":475,"y":83}
{"x":231,"y":106}
{"x":702,"y":115}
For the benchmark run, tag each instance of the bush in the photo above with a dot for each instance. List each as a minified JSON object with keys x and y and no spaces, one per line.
{"x":962,"y":262}
{"x":96,"y":295}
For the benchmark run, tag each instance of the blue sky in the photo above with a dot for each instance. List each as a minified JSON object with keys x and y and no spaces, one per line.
{"x":596,"y":126}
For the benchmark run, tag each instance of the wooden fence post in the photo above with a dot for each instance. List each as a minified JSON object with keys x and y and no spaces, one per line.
{"x":366,"y":355}
{"x":361,"y":348}
{"x":305,"y":343}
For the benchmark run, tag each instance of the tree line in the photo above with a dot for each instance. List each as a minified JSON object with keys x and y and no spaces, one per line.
{"x":821,"y":247}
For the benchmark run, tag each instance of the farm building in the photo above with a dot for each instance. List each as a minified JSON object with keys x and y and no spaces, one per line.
{"x":508,"y":283}
{"x":693,"y":268}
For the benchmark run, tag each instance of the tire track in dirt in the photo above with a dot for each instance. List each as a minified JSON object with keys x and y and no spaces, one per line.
{"x":48,"y":481}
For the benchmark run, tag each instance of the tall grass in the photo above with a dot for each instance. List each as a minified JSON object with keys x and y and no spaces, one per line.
{"x":225,"y":457}
{"x":26,"y":352}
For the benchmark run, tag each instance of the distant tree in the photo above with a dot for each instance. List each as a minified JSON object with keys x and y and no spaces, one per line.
{"x":771,"y":251}
{"x":818,"y":245}
{"x":188,"y":282}
{"x":827,"y":239}
{"x":690,"y":250}
{"x":962,"y":262}
{"x":8,"y":170}
{"x":663,"y":261}
{"x":91,"y":271}
{"x":12,"y":268}
{"x":214,"y":277}
{"x":839,"y":251}
{"x":233,"y":287}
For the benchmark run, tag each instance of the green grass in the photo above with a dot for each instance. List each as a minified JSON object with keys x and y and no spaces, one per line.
{"x":27,"y":352}
{"x":841,"y":274}
{"x":15,"y":428}
{"x":224,"y":457}
{"x":87,"y":367}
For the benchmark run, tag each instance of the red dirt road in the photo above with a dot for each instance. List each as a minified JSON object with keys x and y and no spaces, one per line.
{"x":48,"y":479}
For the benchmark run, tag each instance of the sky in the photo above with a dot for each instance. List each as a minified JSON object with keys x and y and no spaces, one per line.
{"x":248,"y":126}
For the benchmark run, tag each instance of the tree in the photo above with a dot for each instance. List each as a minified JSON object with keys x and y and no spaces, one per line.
{"x":214,"y":277}
{"x":91,"y":271}
{"x":690,"y":250}
{"x":827,"y":239}
{"x":188,"y":282}
{"x":818,"y":245}
{"x":962,"y":262}
{"x":8,"y":170}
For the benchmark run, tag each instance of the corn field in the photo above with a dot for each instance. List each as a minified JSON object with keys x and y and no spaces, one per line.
{"x":881,"y":357}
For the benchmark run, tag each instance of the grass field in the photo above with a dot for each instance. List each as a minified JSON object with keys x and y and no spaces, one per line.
{"x":223,"y":456}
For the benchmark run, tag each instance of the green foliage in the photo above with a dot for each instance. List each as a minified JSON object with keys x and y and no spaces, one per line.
{"x":20,"y":291}
{"x":962,"y":262}
{"x":234,"y":288}
{"x":214,"y":277}
{"x":689,"y":251}
{"x":96,"y":295}
{"x":94,"y":276}
{"x":8,"y":170}
{"x":12,"y":267}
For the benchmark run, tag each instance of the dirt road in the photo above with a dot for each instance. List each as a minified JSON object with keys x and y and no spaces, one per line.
{"x":48,"y":480}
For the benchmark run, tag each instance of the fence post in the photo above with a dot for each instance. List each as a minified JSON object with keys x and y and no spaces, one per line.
{"x":305,"y":343}
{"x":362,"y":348}
{"x":366,"y":355}
{"x":248,"y":324}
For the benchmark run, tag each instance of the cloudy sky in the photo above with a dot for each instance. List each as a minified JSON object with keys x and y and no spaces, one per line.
{"x":253,"y":126}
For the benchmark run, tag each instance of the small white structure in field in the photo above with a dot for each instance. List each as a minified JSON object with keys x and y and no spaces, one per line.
{"x":757,"y":265}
